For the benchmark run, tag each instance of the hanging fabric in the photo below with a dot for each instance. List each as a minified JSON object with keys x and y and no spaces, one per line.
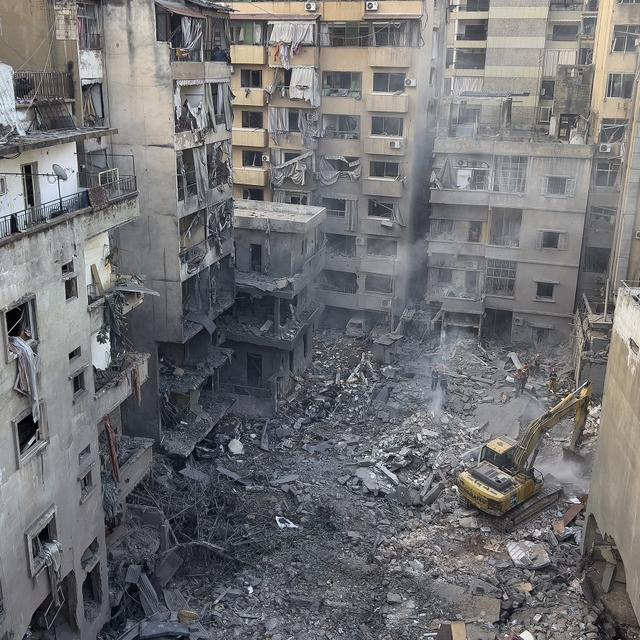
{"x":304,"y":85}
{"x":228,"y":105}
{"x":278,"y":123}
{"x":351,"y":215}
{"x":329,"y":175}
{"x":209,"y":106}
{"x":294,"y":169}
{"x":191,"y":33}
{"x":202,"y":177}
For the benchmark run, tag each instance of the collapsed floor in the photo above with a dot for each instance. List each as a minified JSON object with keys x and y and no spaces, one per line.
{"x":340,"y":517}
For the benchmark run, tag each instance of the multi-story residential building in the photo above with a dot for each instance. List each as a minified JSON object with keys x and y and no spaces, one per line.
{"x":67,"y":365}
{"x":508,"y":189}
{"x":169,"y":94}
{"x":279,"y":254}
{"x":333,"y":102}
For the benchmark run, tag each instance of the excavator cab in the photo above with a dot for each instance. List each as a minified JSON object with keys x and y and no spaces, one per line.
{"x":499,"y":452}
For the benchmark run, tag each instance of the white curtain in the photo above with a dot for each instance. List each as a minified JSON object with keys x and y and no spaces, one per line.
{"x":202,"y":175}
{"x":293,"y":33}
{"x":9,"y":124}
{"x":304,"y":85}
{"x":191,"y":33}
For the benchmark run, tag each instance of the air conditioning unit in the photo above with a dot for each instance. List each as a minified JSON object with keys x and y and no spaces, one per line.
{"x":386,"y":304}
{"x":395,"y":144}
{"x":360,"y":241}
{"x":604,"y":148}
{"x":310,"y":6}
{"x":265,"y":158}
{"x":638,"y":235}
{"x":518,"y":320}
{"x":371,"y":5}
{"x":311,"y":116}
{"x":461,"y":163}
{"x":109,"y":176}
{"x":410,"y":82}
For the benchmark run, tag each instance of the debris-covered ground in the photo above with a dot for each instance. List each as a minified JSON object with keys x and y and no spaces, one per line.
{"x":339,"y":518}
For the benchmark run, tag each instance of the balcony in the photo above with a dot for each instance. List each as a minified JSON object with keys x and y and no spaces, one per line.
{"x":135,"y":456}
{"x":93,"y":201}
{"x":385,"y":145}
{"x":42,"y":85}
{"x":250,"y":138}
{"x":248,"y":54}
{"x":467,"y":58}
{"x":385,"y":187}
{"x":249,"y":97}
{"x":116,"y":384}
{"x":387,"y":102}
{"x":470,"y":9}
{"x":397,"y":57}
{"x":251,"y":176}
{"x":202,"y":255}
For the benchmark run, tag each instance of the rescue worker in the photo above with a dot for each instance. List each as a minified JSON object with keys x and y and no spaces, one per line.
{"x":444,"y":383}
{"x":434,"y":377}
{"x":553,"y":380}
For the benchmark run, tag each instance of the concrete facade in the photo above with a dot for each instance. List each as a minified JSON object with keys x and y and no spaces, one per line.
{"x":510,"y":171}
{"x":612,"y":510}
{"x":279,"y":254}
{"x":353,"y":124}
{"x":178,"y":125}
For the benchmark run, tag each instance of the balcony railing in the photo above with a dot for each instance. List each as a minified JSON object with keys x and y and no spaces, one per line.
{"x":31,"y":85}
{"x":470,"y":5}
{"x":90,"y":41}
{"x":183,"y":55}
{"x":20,"y":221}
{"x":476,"y":37}
{"x":346,"y":288}
{"x":335,"y":213}
{"x":341,"y":135}
{"x":335,"y":92}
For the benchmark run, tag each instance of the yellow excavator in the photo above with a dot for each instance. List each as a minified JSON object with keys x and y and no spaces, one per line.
{"x":504,"y":482}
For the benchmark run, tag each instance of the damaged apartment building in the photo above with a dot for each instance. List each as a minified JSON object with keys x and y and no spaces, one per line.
{"x":177,"y":122}
{"x":279,"y":253}
{"x":511,"y":169}
{"x":333,"y":102}
{"x":67,"y":361}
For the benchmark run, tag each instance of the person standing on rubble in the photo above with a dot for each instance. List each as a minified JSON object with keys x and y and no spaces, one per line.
{"x":525,"y":376}
{"x":444,"y":383}
{"x":434,"y":377}
{"x":535,"y":367}
{"x":553,"y":380}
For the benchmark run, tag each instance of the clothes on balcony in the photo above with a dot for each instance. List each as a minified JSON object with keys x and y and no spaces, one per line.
{"x":308,"y":123}
{"x":444,"y":177}
{"x":294,"y":169}
{"x":287,"y":38}
{"x":209,"y":106}
{"x":27,"y":379}
{"x":278,"y":123}
{"x":330,"y":175}
{"x":9,"y":124}
{"x":304,"y":85}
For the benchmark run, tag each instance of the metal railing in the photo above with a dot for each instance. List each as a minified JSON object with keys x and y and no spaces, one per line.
{"x":182,"y":55}
{"x":335,"y":213}
{"x":341,"y":135}
{"x":479,"y":37}
{"x":187,"y":180}
{"x":29,"y":85}
{"x":342,"y":93}
{"x":217,"y":55}
{"x":90,"y":41}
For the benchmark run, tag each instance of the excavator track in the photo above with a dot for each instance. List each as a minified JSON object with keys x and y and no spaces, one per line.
{"x":528,"y":509}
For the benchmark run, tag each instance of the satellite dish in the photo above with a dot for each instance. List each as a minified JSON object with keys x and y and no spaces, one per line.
{"x":60,"y":172}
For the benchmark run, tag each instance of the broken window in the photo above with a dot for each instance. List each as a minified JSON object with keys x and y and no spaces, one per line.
{"x":89,"y":31}
{"x":475,"y":231}
{"x":253,"y":194}
{"x":389,"y":82}
{"x":596,"y":259}
{"x":476,"y":179}
{"x":92,"y":593}
{"x":602,"y":218}
{"x":510,"y":174}
{"x":90,"y":555}
{"x":565,"y":32}
{"x":335,"y":206}
{"x":250,"y":78}
{"x":341,"y":126}
{"x":39,"y":534}
{"x":186,"y":174}
{"x":382,"y":247}
{"x":441,"y":227}
{"x":340,"y":244}
{"x":625,"y":36}
{"x":344,"y":34}
{"x":620,"y":85}
{"x":504,"y":229}
{"x":71,"y":288}
{"x":392,"y":34}
{"x":78,"y":383}
{"x":444,"y":276}
{"x":501,"y":277}
{"x":74,"y":354}
{"x":28,"y":434}
{"x":544,"y":290}
{"x":254,"y":369}
{"x":558,"y":186}
{"x":20,"y":322}
{"x":547,"y":89}
{"x":585,"y":55}
{"x":251,"y":158}
{"x":381,"y":209}
{"x":93,"y":112}
{"x":607,"y":173}
{"x":339,"y":281}
{"x":290,"y":197}
{"x":255,"y":251}
{"x":552,"y":240}
{"x":613,"y":130}
{"x":386,"y":126}
{"x":247,"y":32}
{"x":252,"y":120}
{"x":378,"y":283}
{"x":83,"y":456}
{"x":384,"y":169}
{"x":86,"y":485}
{"x":342,"y":84}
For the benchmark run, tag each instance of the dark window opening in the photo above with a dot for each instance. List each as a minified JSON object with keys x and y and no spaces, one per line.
{"x":92,"y":593}
{"x":20,"y":321}
{"x":70,"y":288}
{"x":250,"y":78}
{"x":386,"y":126}
{"x":444,"y":276}
{"x":475,"y":232}
{"x":256,"y":257}
{"x":44,"y":536}
{"x":547,"y":89}
{"x":568,"y":122}
{"x":84,"y":454}
{"x":294,"y":120}
{"x":290,"y":155}
{"x":78,"y":383}
{"x":86,"y":485}
{"x":596,"y":259}
{"x":252,"y":120}
{"x":342,"y":84}
{"x":251,"y":158}
{"x":545,"y":290}
{"x":254,"y":369}
{"x":381,"y":247}
{"x":335,"y":207}
{"x":378,"y":284}
{"x":382,"y":169}
{"x":565,"y":32}
{"x":67,"y":268}
{"x":380,"y":209}
{"x":613,"y":130}
{"x":388,"y":82}
{"x":253,"y":194}
{"x":550,"y":240}
{"x":75,"y":353}
{"x":607,"y":173}
{"x":28,"y":432}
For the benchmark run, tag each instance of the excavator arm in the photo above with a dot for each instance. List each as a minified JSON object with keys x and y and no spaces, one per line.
{"x":529,"y":444}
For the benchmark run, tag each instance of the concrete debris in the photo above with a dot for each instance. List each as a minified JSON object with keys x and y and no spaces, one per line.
{"x":236,"y":447}
{"x":528,"y":555}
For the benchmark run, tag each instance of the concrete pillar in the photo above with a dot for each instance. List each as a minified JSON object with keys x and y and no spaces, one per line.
{"x":276,"y":316}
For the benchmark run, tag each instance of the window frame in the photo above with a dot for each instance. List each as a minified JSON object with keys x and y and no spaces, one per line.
{"x":355,"y":79}
{"x":567,"y":37}
{"x":494,"y":265}
{"x":376,"y":202}
{"x":30,"y":302}
{"x":39,"y":445}
{"x":544,"y":298}
{"x":251,"y":114}
{"x":36,"y":565}
{"x":611,"y":175}
{"x":385,"y":292}
{"x":569,"y":186}
{"x":626,"y":37}
{"x":385,"y":166}
{"x":390,"y":75}
{"x":254,"y":154}
{"x":383,"y":119}
{"x":250,"y":78}
{"x":619,"y":83}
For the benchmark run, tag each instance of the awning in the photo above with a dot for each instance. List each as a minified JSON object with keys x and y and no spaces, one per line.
{"x":385,"y":17}
{"x":177,"y":7}
{"x":285,"y":17}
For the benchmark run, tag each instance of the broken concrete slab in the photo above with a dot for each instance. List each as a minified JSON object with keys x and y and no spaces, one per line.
{"x":528,"y":555}
{"x":235,"y":447}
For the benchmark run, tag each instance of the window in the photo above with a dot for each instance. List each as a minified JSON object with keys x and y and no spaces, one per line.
{"x":383,"y":169}
{"x":613,"y":130}
{"x":340,"y":244}
{"x":547,"y":89}
{"x":504,"y":229}
{"x":291,"y":197}
{"x":540,"y":334}
{"x":342,"y":84}
{"x":558,"y":186}
{"x":501,"y":277}
{"x":568,"y":122}
{"x":565,"y":32}
{"x":290,"y":155}
{"x":247,"y":32}
{"x":381,"y":209}
{"x":620,"y":85}
{"x":607,"y":173}
{"x":339,"y":126}
{"x":471,"y":279}
{"x":602,"y":218}
{"x":544,"y":115}
{"x":252,"y":120}
{"x":544,"y":290}
{"x":625,"y":36}
{"x":595,"y":260}
{"x":386,"y":126}
{"x":67,"y":268}
{"x":78,"y":384}
{"x":83,"y":456}
{"x":378,"y":284}
{"x":40,"y":533}
{"x":444,"y":276}
{"x":552,"y":240}
{"x":28,"y":435}
{"x":388,"y":82}
{"x":475,"y":231}
{"x":254,"y":369}
{"x":75,"y":353}
{"x":88,"y":26}
{"x":253,"y":194}
{"x":20,"y":322}
{"x":476,"y":179}
{"x":336,"y":207}
{"x":441,"y":227}
{"x":510,"y":174}
{"x":294,"y":120}
{"x":70,"y":288}
{"x":250,"y":78}
{"x":86,"y":485}
{"x":391,"y":34}
{"x":585,"y":55}
{"x":381,"y":247}
{"x":344,"y":34}
{"x":251,"y":158}
{"x":3,"y":186}
{"x":92,"y":593}
{"x":255,"y":251}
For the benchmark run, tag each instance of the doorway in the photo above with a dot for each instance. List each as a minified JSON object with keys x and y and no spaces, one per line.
{"x":30,"y":184}
{"x":497,"y":324}
{"x":254,"y":369}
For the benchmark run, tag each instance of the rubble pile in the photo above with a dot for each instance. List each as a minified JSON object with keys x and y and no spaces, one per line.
{"x":340,"y":516}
